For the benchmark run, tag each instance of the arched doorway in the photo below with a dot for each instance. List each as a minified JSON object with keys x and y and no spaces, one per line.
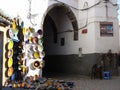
{"x":60,"y":26}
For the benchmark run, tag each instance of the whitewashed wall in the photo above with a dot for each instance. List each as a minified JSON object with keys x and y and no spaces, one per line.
{"x":105,"y":43}
{"x":90,"y":42}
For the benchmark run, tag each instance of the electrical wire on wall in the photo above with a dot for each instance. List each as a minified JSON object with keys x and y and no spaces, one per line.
{"x":86,"y":8}
{"x":82,"y":9}
{"x":31,"y":16}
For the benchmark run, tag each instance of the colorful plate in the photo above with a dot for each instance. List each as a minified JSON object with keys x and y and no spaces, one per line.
{"x":10,"y":53}
{"x":42,"y":54}
{"x":40,"y":41}
{"x":40,"y":32}
{"x":36,"y":55}
{"x":35,"y":65}
{"x":35,"y":40}
{"x":11,"y":34}
{"x":10,"y":71}
{"x":40,"y":48}
{"x":10,"y":62}
{"x":10,"y":44}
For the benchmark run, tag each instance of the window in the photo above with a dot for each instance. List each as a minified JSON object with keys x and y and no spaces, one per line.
{"x":62,"y":41}
{"x":106,"y":28}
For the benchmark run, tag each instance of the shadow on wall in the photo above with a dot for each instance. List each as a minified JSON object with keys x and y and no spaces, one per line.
{"x":71,"y":64}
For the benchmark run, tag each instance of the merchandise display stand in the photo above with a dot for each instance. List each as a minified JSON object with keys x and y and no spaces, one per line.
{"x":33,"y":52}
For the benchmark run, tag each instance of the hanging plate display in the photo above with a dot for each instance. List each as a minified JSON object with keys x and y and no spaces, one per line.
{"x":40,"y":32}
{"x":30,"y":39}
{"x":10,"y":71}
{"x":35,"y":48}
{"x":36,"y":55}
{"x":11,"y":34}
{"x":40,"y":41}
{"x":22,"y":24}
{"x":13,"y":77}
{"x":34,"y":65}
{"x":40,"y":48}
{"x":35,"y":40}
{"x":10,"y":44}
{"x":14,"y":24}
{"x":30,"y":48}
{"x":10,"y":53}
{"x":42,"y":54}
{"x":24,"y":31}
{"x":24,"y":69}
{"x":10,"y":62}
{"x":32,"y":30}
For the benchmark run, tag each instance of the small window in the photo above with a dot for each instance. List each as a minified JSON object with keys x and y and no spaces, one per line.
{"x":106,"y":28}
{"x":62,"y":41}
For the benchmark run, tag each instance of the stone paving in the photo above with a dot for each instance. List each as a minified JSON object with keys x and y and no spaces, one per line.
{"x":86,"y":83}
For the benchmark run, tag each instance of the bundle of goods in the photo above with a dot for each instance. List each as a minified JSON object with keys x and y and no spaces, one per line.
{"x":37,"y":83}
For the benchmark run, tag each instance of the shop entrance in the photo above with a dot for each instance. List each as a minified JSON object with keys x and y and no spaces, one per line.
{"x":59,"y":25}
{"x":1,"y":57}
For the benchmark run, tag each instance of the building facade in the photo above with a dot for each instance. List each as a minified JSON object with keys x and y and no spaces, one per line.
{"x":75,"y":32}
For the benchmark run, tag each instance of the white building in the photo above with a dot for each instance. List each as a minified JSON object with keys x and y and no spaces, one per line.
{"x":75,"y":31}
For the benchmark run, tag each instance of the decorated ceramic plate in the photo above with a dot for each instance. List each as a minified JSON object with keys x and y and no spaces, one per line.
{"x":40,"y":32}
{"x":10,"y":62}
{"x":40,"y":48}
{"x":35,"y":40}
{"x":40,"y":41}
{"x":10,"y":44}
{"x":36,"y":64}
{"x":10,"y":71}
{"x":36,"y":55}
{"x":10,"y":53}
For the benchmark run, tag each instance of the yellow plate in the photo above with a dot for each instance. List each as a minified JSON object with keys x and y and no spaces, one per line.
{"x":10,"y":62}
{"x":10,"y":44}
{"x":36,"y":55}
